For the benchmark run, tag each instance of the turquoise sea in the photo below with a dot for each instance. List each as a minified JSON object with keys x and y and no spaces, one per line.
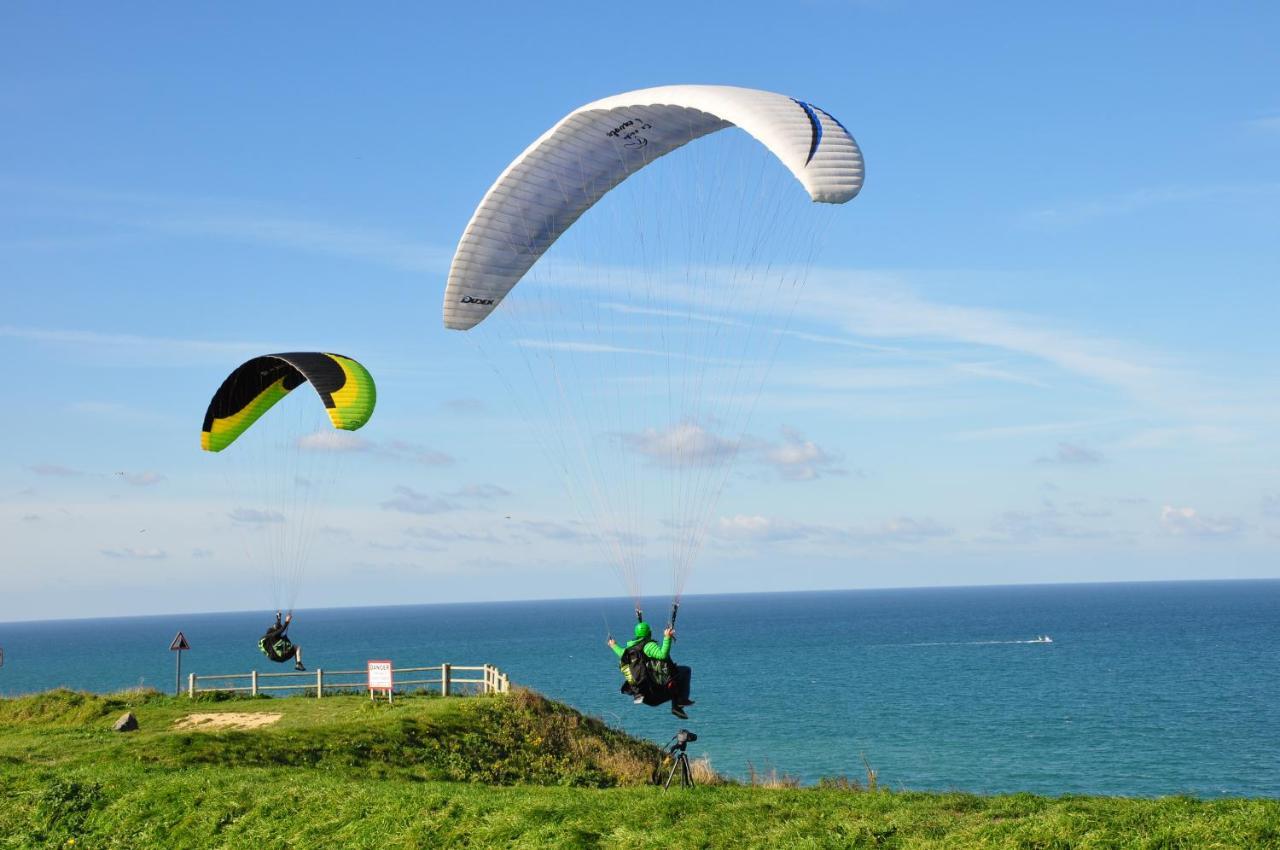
{"x":1146,"y":689}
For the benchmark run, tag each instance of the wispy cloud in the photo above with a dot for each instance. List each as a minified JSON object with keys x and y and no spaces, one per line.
{"x":158,"y":350}
{"x":1126,"y":203}
{"x":127,"y":215}
{"x":1072,"y":454}
{"x":451,"y":535}
{"x":763,"y":529}
{"x":566,"y":533}
{"x":410,"y":501}
{"x":146,"y":478}
{"x":465,"y":406}
{"x":902,"y":530}
{"x":1265,"y":124}
{"x":336,"y":440}
{"x":54,"y":470}
{"x":130,"y":553}
{"x":1189,"y":522}
{"x":253,"y":516}
{"x":479,"y":492}
{"x":1006,"y":431}
{"x":302,"y":235}
{"x":405,"y":451}
{"x":586,"y":347}
{"x":1046,"y":523}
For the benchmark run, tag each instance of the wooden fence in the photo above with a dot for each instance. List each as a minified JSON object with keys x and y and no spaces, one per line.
{"x":485,"y":679}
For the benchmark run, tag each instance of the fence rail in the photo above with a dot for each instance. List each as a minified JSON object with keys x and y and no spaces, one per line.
{"x":486,"y":679}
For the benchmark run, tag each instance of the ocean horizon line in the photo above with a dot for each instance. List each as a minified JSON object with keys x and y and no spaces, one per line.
{"x":663,"y":600}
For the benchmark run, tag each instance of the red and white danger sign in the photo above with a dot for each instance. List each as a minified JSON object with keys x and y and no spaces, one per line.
{"x":380,"y":677}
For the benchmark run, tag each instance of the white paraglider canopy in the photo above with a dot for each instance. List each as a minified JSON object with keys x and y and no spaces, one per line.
{"x":594,"y":148}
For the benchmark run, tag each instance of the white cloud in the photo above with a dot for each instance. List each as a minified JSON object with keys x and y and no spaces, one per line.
{"x":1188,"y":522}
{"x":747,"y":527}
{"x":797,"y":458}
{"x":683,"y":444}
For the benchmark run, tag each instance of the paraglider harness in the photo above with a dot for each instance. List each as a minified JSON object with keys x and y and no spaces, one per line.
{"x":275,"y":644}
{"x":654,"y":679}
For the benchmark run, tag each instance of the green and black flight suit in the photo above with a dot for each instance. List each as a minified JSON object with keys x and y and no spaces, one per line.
{"x":661,"y":679}
{"x":275,"y":644}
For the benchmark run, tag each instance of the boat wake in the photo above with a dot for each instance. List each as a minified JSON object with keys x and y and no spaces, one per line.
{"x":1037,"y":639}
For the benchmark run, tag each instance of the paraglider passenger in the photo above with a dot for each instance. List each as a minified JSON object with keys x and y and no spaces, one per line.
{"x":651,"y":676}
{"x":275,"y":644}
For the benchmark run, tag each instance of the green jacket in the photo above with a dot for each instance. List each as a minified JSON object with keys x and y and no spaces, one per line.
{"x":660,"y":652}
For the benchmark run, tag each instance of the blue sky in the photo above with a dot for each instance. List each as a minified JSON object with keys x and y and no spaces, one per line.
{"x":1049,"y":317}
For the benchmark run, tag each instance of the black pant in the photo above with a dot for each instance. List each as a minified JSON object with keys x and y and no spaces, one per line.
{"x":681,"y":679}
{"x":676,"y":690}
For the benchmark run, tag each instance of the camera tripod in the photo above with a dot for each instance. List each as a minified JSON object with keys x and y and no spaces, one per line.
{"x":677,"y":750}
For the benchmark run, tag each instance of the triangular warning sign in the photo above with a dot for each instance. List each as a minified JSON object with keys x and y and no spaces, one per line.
{"x":179,"y":643}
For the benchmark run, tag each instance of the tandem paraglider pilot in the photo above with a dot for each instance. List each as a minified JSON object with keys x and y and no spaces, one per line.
{"x":651,"y":676}
{"x":275,"y":644}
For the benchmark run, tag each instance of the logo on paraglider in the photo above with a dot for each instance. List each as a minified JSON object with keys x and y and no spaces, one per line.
{"x":467,"y":299}
{"x":629,"y":132}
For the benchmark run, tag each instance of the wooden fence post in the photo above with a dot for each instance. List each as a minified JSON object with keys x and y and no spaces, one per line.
{"x":253,"y":683}
{"x":445,"y":675}
{"x":191,"y":685}
{"x":319,"y":683}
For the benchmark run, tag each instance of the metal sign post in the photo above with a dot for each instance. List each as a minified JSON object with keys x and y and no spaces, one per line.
{"x":178,"y":644}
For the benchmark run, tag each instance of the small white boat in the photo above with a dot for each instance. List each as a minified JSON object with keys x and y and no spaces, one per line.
{"x":1042,"y":639}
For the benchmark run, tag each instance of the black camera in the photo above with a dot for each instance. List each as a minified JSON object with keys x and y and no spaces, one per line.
{"x":681,"y":740}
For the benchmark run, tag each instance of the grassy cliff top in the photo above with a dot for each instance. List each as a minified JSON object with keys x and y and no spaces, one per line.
{"x":505,"y":771}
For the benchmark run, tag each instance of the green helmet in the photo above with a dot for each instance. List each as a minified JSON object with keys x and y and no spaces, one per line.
{"x":643,"y":630}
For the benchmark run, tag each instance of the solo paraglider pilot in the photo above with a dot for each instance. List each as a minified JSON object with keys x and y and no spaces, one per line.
{"x":275,"y":644}
{"x":651,"y":676}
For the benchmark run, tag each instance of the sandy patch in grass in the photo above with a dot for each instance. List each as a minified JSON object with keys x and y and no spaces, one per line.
{"x":227,"y":720}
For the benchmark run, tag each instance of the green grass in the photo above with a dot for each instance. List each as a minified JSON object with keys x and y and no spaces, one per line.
{"x":516,"y":771}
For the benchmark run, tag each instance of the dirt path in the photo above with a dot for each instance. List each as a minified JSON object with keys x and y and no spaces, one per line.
{"x":227,"y":720}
